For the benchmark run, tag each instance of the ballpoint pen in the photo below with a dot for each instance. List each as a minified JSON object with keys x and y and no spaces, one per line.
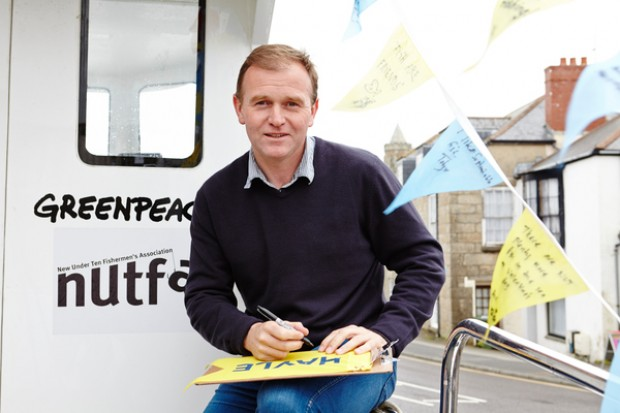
{"x":385,"y":352}
{"x":271,"y":316}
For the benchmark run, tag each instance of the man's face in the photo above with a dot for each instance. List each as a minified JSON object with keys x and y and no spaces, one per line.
{"x":277,"y":111}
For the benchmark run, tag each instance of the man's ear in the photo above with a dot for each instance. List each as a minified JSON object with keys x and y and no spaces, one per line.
{"x":313,"y":110}
{"x":237,"y":104}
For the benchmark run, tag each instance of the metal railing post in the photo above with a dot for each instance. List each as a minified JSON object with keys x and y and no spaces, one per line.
{"x":576,"y":371}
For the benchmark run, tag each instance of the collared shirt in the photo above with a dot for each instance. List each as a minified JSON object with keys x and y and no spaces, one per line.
{"x":305,"y":168}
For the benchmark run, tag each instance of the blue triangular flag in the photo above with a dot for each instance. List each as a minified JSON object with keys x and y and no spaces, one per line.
{"x":454,"y":163}
{"x":611,"y":400}
{"x":596,"y":94}
{"x":355,"y":26}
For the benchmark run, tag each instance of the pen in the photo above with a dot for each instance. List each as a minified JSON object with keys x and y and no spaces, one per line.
{"x":271,"y":316}
{"x":388,"y":345}
{"x":385,"y":352}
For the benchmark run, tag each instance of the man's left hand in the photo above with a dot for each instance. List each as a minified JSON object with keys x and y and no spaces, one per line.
{"x":359,"y":339}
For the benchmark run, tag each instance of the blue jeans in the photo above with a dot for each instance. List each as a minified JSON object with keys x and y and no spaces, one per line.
{"x":354,"y":393}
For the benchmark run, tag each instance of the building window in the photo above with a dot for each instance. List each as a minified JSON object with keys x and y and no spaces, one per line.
{"x":483,"y":294}
{"x":543,"y":193}
{"x":498,"y":214}
{"x":404,"y":169}
{"x":556,"y":318}
{"x":549,"y":206}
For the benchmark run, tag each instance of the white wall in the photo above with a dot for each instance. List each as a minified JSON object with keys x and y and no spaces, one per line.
{"x":592,"y":202}
{"x":86,"y":367}
{"x":592,"y":224}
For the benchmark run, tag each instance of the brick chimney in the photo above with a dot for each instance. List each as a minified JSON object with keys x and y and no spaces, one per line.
{"x":559,"y":84}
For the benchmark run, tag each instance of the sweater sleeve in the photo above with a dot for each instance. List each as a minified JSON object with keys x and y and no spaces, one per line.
{"x":404,"y":245}
{"x":209,"y":296}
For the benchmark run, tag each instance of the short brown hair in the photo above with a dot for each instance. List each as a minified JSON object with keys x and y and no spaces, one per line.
{"x":275,"y":57}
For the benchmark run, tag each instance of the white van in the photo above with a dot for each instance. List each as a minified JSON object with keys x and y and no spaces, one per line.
{"x":112,"y":114}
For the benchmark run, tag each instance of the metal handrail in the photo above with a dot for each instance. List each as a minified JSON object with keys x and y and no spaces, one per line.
{"x":576,"y":371}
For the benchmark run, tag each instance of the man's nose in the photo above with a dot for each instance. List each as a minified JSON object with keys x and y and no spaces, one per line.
{"x":276,"y":117}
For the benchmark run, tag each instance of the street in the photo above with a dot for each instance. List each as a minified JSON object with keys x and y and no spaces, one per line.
{"x":417,"y":391}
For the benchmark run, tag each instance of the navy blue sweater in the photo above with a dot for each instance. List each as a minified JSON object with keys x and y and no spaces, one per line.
{"x":311,"y":253}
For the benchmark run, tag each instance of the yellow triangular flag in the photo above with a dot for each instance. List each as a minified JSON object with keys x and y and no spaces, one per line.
{"x":398,"y":70}
{"x":530,"y":269}
{"x":508,"y":12}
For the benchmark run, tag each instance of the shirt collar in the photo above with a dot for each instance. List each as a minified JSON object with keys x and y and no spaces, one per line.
{"x":305,"y":168}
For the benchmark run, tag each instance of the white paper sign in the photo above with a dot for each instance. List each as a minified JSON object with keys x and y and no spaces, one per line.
{"x":120,"y":280}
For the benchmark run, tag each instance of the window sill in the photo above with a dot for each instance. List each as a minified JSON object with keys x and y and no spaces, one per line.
{"x":491,"y":248}
{"x":558,"y":339}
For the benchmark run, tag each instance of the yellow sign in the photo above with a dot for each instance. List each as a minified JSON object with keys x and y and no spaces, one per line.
{"x":530,"y":269}
{"x":299,"y":364}
{"x":398,"y":70}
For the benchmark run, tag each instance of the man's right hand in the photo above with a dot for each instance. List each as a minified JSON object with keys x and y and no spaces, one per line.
{"x":268,"y":341}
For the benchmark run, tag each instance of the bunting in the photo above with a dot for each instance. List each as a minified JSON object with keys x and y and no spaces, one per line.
{"x":508,"y":12}
{"x":355,"y":26}
{"x":398,"y":70}
{"x":611,"y":400}
{"x":454,"y":163}
{"x":530,"y":269}
{"x":596,"y":94}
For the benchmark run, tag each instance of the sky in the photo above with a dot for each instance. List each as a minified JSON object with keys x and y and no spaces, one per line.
{"x":451,"y":35}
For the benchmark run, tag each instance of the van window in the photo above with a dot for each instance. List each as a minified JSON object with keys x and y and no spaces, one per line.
{"x":141,"y":83}
{"x":98,"y":121}
{"x":165,"y":112}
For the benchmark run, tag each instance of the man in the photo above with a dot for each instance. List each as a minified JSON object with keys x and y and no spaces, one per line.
{"x":296,"y":224}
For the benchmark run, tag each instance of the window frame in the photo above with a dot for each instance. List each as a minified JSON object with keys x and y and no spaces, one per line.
{"x":482,"y":294}
{"x":535,"y":202}
{"x":533,"y":181}
{"x":556,"y":315}
{"x":139,"y":159}
{"x":509,"y":214}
